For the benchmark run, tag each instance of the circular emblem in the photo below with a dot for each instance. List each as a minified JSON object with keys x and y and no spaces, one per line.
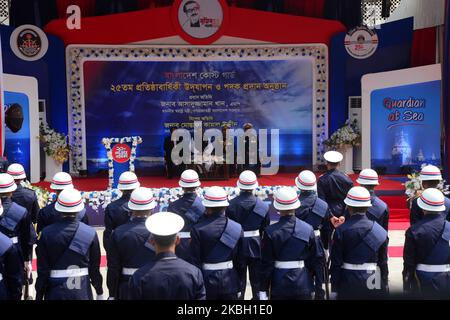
{"x":361,"y":42}
{"x":29,"y":42}
{"x":121,"y":153}
{"x":200,"y":21}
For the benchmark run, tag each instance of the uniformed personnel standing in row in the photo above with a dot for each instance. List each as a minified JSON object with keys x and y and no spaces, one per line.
{"x":359,"y":268}
{"x":48,"y":215}
{"x":15,"y":222}
{"x":430,"y":177}
{"x":216,"y":248}
{"x":11,"y":270}
{"x":253,"y":216}
{"x":117,"y":212}
{"x":379,"y":210}
{"x":166,"y":277}
{"x":68,"y":255}
{"x":289,"y":253}
{"x":426,"y":254}
{"x":129,"y":247}
{"x":23,"y":196}
{"x":189,"y":206}
{"x":333,"y":185}
{"x":316,"y":213}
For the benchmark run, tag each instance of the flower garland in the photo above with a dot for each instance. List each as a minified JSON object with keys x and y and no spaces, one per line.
{"x":55,"y":143}
{"x":349,"y":134}
{"x":135,"y":140}
{"x":413,"y":187}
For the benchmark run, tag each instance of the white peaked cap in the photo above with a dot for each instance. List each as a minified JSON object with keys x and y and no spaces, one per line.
{"x":333,"y":156}
{"x":164,"y":223}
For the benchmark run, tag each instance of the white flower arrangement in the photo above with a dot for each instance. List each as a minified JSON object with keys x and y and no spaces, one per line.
{"x":107,"y":143}
{"x":55,"y":143}
{"x":413,"y":187}
{"x":349,"y":134}
{"x":42,"y":195}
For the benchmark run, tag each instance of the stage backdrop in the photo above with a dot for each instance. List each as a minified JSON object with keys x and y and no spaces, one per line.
{"x":22,"y":131}
{"x":272,"y":88}
{"x":404,"y":119}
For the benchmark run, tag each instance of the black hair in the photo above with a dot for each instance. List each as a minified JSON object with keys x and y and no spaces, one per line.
{"x":359,"y":210}
{"x":189,"y":2}
{"x":165,"y":241}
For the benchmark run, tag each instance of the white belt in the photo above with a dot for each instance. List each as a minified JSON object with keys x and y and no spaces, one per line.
{"x":433,"y":267}
{"x":218,"y":266}
{"x":128,"y":271}
{"x":184,"y":235}
{"x":360,"y":267}
{"x":69,"y":273}
{"x":250,"y":234}
{"x":290,"y":264}
{"x":14,"y":240}
{"x":317,"y":233}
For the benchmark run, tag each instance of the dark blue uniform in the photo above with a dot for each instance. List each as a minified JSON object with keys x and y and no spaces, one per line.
{"x":217,"y":239}
{"x":16,"y":224}
{"x":332,"y":187}
{"x":116,"y":214}
{"x":11,"y":270}
{"x":288,"y":240}
{"x":359,"y":241}
{"x":27,"y":198}
{"x":315,"y":212}
{"x":68,"y":245}
{"x":416,"y":214}
{"x":253,"y":215}
{"x":48,"y":215}
{"x":378,"y":212}
{"x":167,"y":278}
{"x":129,"y":250}
{"x":191,"y":209}
{"x":428,"y":242}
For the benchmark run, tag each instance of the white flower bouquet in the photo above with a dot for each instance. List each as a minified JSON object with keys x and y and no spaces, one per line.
{"x":55,"y":144}
{"x":349,"y":134}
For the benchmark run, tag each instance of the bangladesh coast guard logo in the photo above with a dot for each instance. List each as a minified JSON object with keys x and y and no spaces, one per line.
{"x":29,"y":42}
{"x":361,"y":42}
{"x":199,"y":20}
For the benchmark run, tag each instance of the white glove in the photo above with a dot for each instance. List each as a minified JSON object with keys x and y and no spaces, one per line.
{"x":263,"y":295}
{"x":100,"y":297}
{"x":28,"y":268}
{"x":333,"y":295}
{"x":327,"y":254}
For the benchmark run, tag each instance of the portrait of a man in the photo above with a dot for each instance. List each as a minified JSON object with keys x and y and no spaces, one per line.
{"x":192,"y":11}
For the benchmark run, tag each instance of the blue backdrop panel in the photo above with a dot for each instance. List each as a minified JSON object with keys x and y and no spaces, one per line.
{"x":50,"y":73}
{"x":405,"y":126}
{"x":393,"y":53}
{"x":17,"y":144}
